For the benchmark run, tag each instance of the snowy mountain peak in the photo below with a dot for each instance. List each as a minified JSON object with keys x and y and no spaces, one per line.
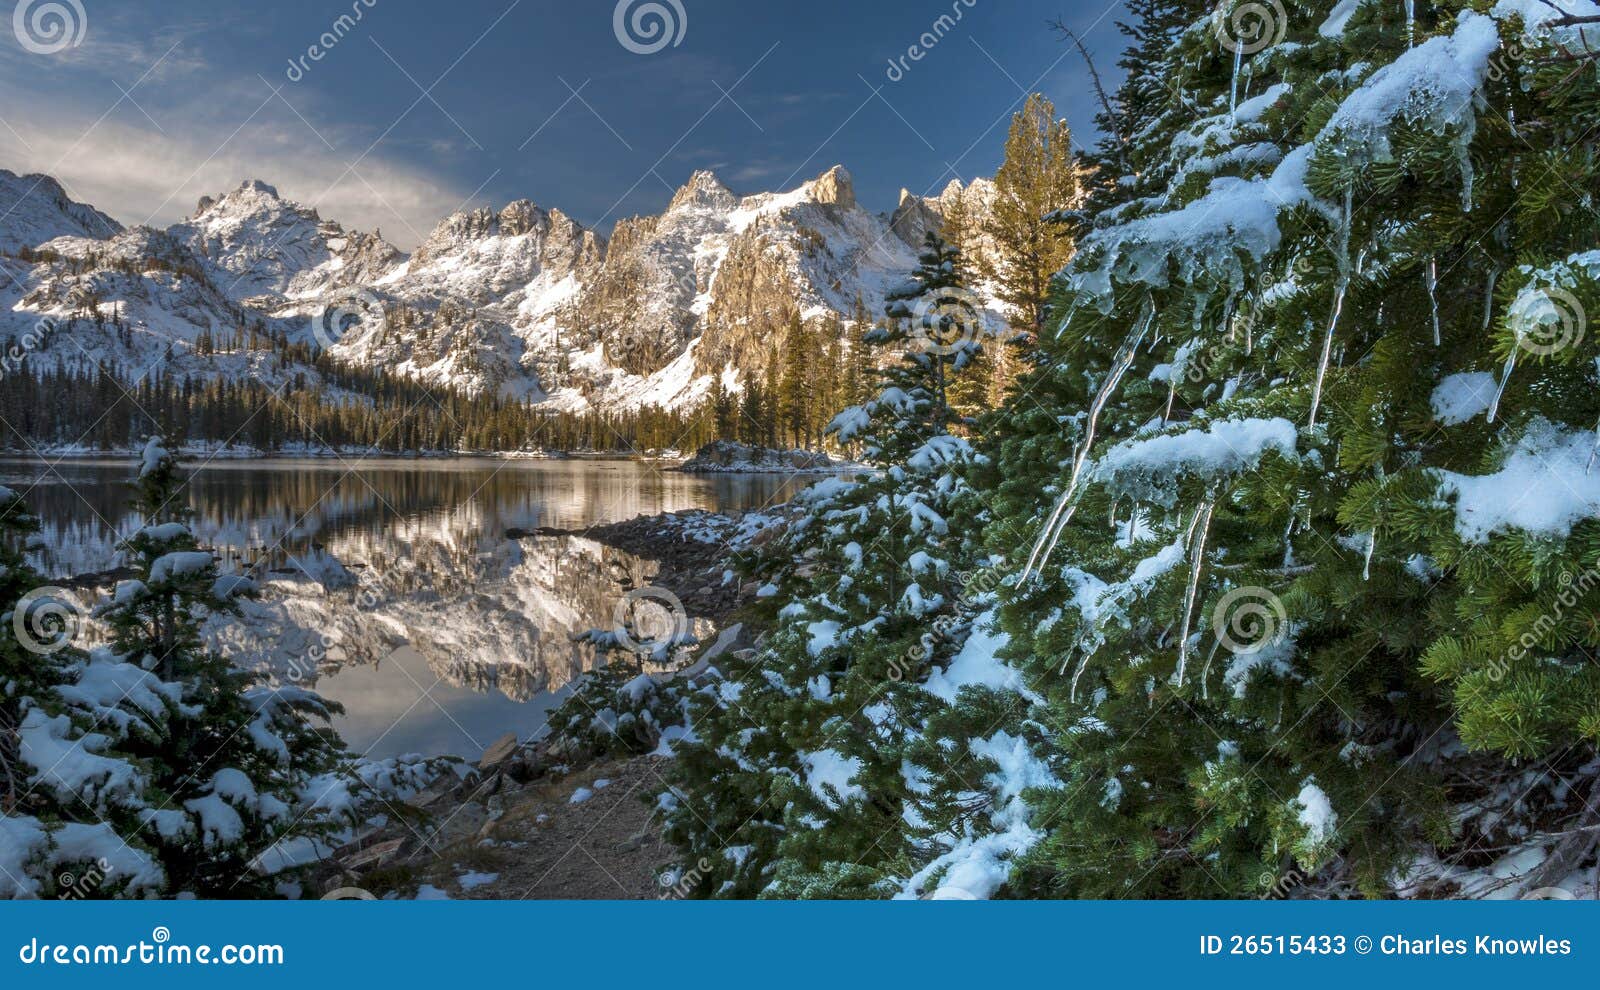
{"x":249,"y":196}
{"x":517,"y":219}
{"x":834,"y":187}
{"x":261,"y":244}
{"x":35,"y":209}
{"x":519,"y":300}
{"x":703,"y":189}
{"x":256,"y":188}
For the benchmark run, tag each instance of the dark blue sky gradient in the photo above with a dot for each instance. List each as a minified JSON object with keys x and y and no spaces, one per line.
{"x":767,"y":94}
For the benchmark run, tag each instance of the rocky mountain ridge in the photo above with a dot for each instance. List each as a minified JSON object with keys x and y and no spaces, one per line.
{"x":521,"y":301}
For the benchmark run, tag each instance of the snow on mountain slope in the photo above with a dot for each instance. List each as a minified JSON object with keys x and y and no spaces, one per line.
{"x":137,"y":303}
{"x":263,"y":245}
{"x":35,"y":209}
{"x":527,"y":302}
{"x":521,"y":302}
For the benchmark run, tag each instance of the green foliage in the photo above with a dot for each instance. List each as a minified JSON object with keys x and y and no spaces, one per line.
{"x":1188,"y":767}
{"x":796,"y":785}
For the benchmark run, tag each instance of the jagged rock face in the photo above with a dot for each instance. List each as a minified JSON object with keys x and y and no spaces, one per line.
{"x":262,"y":245}
{"x":835,"y":187}
{"x":521,"y":301}
{"x":140,"y":300}
{"x":755,"y":295}
{"x":36,"y":209}
{"x":724,"y":272}
{"x":914,"y":218}
{"x":918,"y":216}
{"x":484,"y":257}
{"x":641,"y":304}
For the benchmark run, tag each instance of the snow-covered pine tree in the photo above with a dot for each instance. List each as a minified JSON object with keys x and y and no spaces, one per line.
{"x":795,"y":786}
{"x":71,"y":797}
{"x":235,"y":768}
{"x":1305,"y":592}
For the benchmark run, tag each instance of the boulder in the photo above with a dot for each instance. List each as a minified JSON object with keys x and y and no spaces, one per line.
{"x":498,"y":751}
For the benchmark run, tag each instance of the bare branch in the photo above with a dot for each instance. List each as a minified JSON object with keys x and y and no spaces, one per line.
{"x":1094,"y":75}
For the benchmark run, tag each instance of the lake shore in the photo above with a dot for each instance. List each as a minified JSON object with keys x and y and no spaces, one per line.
{"x":538,"y":818}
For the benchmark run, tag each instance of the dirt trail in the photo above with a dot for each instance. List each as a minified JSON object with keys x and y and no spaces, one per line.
{"x":543,"y":846}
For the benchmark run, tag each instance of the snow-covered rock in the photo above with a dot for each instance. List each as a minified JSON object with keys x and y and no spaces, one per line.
{"x":521,"y":301}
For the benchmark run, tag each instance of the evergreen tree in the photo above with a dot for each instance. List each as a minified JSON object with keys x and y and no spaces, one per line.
{"x":1039,"y":177}
{"x":72,"y":798}
{"x":234,"y":764}
{"x":1310,"y":385}
{"x":796,"y":782}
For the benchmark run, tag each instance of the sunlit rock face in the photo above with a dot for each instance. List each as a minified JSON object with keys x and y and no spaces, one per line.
{"x":520,"y":301}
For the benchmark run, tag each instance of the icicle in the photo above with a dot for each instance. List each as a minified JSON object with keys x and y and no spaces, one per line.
{"x":1432,"y":280}
{"x":1488,"y":298}
{"x":1072,"y":691}
{"x":1233,"y":94}
{"x":1288,"y":545}
{"x":1327,"y":352}
{"x":1061,"y":515}
{"x":1372,"y":544}
{"x":1342,"y":284}
{"x":1172,"y":393}
{"x":1132,"y":523}
{"x":1202,"y":522}
{"x":1205,"y":675}
{"x":1505,"y":376}
{"x":1411,"y":22}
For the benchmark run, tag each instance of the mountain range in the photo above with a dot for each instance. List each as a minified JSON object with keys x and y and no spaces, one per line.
{"x":523,"y":302}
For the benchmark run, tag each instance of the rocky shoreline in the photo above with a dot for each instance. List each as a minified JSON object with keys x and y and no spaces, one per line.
{"x":534,"y":819}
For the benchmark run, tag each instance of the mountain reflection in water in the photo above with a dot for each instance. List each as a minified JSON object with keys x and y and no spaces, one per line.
{"x":389,"y":585}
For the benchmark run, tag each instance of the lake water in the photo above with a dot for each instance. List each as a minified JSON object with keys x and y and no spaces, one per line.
{"x":392,"y":587}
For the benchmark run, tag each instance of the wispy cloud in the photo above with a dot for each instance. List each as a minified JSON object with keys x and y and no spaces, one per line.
{"x":140,"y":175}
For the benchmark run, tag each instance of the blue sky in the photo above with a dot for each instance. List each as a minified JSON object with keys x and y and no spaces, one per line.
{"x":420,"y":107}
